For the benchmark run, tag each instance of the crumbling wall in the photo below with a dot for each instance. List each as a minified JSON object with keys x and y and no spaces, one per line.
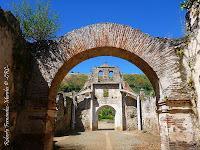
{"x":13,"y":58}
{"x":131,"y":113}
{"x":63,"y":114}
{"x":68,"y":112}
{"x":191,"y":57}
{"x":191,"y":61}
{"x":82,"y":113}
{"x":149,"y":115}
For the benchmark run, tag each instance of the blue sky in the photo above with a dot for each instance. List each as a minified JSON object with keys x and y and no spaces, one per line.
{"x":162,"y":18}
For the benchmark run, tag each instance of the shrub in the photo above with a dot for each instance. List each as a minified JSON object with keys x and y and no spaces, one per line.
{"x":106,"y":113}
{"x":105,"y":93}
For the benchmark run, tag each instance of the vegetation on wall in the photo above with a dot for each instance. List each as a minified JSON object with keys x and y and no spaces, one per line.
{"x":105,"y":93}
{"x":38,"y":22}
{"x":190,"y":59}
{"x":187,"y":4}
{"x":75,"y":82}
{"x":106,"y":113}
{"x":179,"y":52}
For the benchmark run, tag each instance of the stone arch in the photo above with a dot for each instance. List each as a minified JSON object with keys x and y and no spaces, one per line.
{"x":104,"y":51}
{"x":110,"y":74}
{"x":100,"y":75}
{"x":105,"y":106}
{"x":156,"y":57}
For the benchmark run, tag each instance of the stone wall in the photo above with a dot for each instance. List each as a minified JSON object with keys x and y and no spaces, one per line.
{"x":126,"y":120}
{"x":63,"y":114}
{"x":6,"y":63}
{"x":83,"y":113}
{"x":109,"y":95}
{"x":13,"y":58}
{"x":26,"y":116}
{"x":116,"y":76}
{"x":31,"y":121}
{"x":131,"y":113}
{"x":149,"y":115}
{"x":191,"y":61}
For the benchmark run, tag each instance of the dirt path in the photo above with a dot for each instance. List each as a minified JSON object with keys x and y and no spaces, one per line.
{"x":108,"y":140}
{"x":108,"y":143}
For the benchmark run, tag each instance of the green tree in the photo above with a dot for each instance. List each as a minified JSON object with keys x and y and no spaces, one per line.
{"x":38,"y":22}
{"x":73,"y":83}
{"x":106,"y":113}
{"x":138,"y":82}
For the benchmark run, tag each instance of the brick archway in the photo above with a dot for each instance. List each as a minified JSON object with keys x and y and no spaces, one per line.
{"x":156,"y":57}
{"x":104,"y":51}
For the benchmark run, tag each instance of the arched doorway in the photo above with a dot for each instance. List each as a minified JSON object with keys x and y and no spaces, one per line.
{"x":106,"y":118}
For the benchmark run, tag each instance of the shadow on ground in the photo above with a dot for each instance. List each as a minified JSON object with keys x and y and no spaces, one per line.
{"x":105,"y":129}
{"x":68,"y":133}
{"x":68,"y":147}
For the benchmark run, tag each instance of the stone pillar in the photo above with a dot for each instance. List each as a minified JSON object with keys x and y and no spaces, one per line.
{"x":91,"y":113}
{"x":92,"y":110}
{"x":60,"y":106}
{"x":176,"y":122}
{"x":120,"y":85}
{"x":139,"y":113}
{"x":74,"y":112}
{"x":118,"y":120}
{"x":124,"y":122}
{"x":49,"y":129}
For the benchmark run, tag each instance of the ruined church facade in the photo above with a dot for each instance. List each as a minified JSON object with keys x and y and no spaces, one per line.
{"x":105,"y":88}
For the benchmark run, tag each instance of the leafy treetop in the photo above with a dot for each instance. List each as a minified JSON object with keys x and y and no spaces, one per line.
{"x":38,"y":22}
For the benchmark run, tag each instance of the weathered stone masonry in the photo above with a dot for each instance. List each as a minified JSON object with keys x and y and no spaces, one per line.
{"x":172,"y":76}
{"x":13,"y":54}
{"x":105,"y":90}
{"x":149,"y":115}
{"x":63,"y":113}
